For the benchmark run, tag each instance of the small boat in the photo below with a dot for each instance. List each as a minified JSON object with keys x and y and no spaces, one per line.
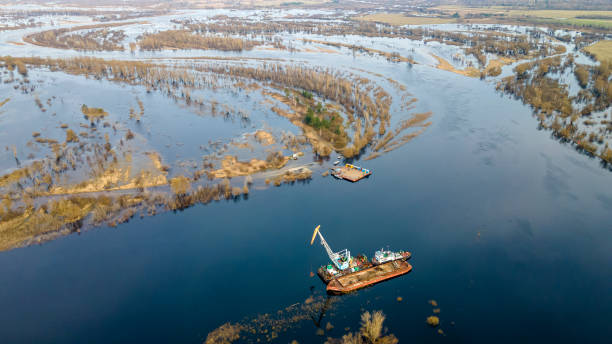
{"x":382,"y":256}
{"x":336,"y":162}
{"x":336,"y":173}
{"x":347,"y":274}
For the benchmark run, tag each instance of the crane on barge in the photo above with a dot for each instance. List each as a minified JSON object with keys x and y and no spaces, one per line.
{"x":347,"y":274}
{"x":340,"y":259}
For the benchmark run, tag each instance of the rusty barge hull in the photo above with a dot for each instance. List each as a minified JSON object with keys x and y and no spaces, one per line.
{"x":368,"y":277}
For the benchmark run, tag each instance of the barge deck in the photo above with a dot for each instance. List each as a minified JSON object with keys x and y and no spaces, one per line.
{"x":367,"y":277}
{"x":350,"y":172}
{"x":347,"y":273}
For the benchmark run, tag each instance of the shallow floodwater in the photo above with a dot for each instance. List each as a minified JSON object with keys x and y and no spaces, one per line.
{"x":510,"y":232}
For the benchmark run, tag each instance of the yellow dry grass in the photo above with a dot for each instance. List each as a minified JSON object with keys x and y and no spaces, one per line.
{"x":242,"y":145}
{"x":124,"y":175}
{"x":225,"y":334}
{"x":33,"y":223}
{"x":602,"y":50}
{"x":500,"y":62}
{"x":93,"y":114}
{"x":264,"y":138}
{"x":320,"y":50}
{"x":155,"y":159}
{"x":494,"y":66}
{"x":433,"y":321}
{"x":180,"y":185}
{"x":385,"y":54}
{"x":292,"y":175}
{"x":113,"y":179}
{"x":372,"y":325}
{"x":400,"y":19}
{"x":445,"y":65}
{"x":232,"y":167}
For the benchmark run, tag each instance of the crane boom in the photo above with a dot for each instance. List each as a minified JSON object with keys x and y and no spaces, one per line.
{"x":339,"y":259}
{"x":328,"y":249}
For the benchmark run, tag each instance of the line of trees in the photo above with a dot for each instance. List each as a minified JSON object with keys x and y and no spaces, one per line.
{"x":567,"y":116}
{"x":96,"y":37}
{"x":184,"y":39}
{"x":366,"y":104}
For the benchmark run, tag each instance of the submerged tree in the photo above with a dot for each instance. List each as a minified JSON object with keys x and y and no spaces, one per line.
{"x":371,"y":332}
{"x":180,"y":185}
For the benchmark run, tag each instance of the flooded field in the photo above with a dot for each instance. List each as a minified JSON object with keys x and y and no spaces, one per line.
{"x":161,"y":173}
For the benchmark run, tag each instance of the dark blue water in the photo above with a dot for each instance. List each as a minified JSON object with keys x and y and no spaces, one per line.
{"x":510,"y":232}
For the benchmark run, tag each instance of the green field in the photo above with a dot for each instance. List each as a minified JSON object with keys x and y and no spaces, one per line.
{"x":598,"y":19}
{"x":597,"y":23}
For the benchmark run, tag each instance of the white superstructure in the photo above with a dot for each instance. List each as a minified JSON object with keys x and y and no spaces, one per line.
{"x":382,"y":256}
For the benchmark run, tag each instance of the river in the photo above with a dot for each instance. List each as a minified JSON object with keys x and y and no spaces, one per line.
{"x":510,"y":233}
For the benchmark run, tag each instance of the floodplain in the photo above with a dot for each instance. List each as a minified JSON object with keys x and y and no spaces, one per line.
{"x":157,"y":137}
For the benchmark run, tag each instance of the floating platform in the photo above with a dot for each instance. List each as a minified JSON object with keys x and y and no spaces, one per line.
{"x":350,"y":172}
{"x":360,"y":262}
{"x":346,"y":273}
{"x":367,"y":277}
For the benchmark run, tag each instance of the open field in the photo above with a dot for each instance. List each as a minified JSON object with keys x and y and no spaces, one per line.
{"x":251,"y":3}
{"x":400,"y":19}
{"x":602,"y":50}
{"x":556,"y":14}
{"x":599,"y":19}
{"x":464,"y":14}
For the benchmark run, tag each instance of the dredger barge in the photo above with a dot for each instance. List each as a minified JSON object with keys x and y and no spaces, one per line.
{"x":347,"y":274}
